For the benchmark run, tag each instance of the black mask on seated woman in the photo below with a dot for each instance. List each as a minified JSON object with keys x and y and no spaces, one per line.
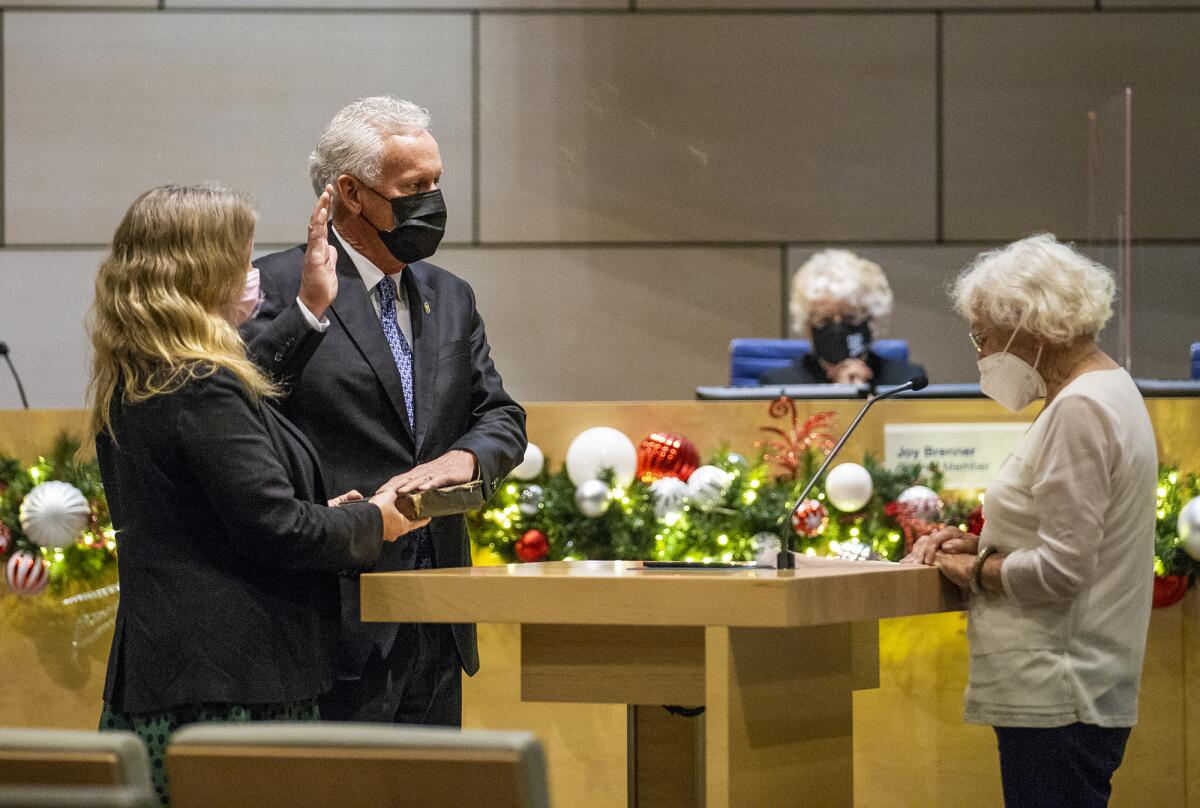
{"x":836,"y":341}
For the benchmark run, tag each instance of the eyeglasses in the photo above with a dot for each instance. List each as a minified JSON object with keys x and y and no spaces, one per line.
{"x":976,"y":338}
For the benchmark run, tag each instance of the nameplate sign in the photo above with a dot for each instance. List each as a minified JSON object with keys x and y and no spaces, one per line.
{"x":968,"y":454}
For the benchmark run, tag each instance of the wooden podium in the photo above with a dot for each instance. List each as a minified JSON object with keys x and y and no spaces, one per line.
{"x":772,"y":656}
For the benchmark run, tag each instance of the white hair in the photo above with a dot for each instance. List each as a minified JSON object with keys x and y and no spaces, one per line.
{"x":842,"y":276}
{"x":352,"y":143}
{"x":1040,"y":284}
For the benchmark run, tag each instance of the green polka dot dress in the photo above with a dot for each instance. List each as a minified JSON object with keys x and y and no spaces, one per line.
{"x":155,"y":728}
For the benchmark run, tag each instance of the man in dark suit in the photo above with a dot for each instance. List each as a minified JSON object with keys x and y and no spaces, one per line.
{"x":388,"y":372}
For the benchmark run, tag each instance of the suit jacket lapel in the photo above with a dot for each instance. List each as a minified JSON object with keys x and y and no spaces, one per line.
{"x":356,"y":313}
{"x":426,"y":342}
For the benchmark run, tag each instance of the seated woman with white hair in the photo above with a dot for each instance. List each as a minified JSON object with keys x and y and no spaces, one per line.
{"x":1062,"y":574}
{"x":836,"y":297}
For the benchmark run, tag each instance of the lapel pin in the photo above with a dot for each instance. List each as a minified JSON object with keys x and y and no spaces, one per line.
{"x":427,"y":307}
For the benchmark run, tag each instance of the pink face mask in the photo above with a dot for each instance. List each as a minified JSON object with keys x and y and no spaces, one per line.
{"x":251,"y":299}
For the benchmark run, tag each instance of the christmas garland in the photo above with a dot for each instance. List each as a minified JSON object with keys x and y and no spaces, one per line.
{"x":730,"y":511}
{"x":548,"y":516}
{"x":55,"y":531}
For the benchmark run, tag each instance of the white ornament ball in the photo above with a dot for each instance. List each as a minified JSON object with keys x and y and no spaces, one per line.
{"x":532,"y":465}
{"x":54,"y":514}
{"x":26,"y":573}
{"x":857,"y":551}
{"x":601,"y":448}
{"x":708,"y":485}
{"x":848,"y":487}
{"x":923,"y":501}
{"x":670,"y":495}
{"x":766,"y":548}
{"x":593,"y":498}
{"x":1188,"y":527}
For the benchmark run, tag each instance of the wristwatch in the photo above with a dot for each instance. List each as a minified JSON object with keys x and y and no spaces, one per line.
{"x":977,"y":569}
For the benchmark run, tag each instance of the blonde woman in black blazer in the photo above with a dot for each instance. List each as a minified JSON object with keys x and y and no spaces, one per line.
{"x":227,"y":547}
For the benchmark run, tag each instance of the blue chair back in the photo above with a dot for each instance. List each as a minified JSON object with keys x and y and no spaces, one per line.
{"x":750,"y":358}
{"x":1196,"y":360}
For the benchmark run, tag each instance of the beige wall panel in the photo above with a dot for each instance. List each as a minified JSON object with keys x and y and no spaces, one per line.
{"x":1018,"y":89}
{"x":422,"y":5}
{"x":80,"y":3}
{"x":707,"y":127}
{"x":1166,"y":288}
{"x":196,"y":97}
{"x":652,"y":323}
{"x":863,"y":4}
{"x":44,"y":295}
{"x":1152,"y":3}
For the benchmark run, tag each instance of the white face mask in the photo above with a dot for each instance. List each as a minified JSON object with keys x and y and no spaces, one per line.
{"x":1009,"y":380}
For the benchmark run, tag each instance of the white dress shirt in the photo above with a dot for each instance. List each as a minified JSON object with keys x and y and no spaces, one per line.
{"x":371,"y":276}
{"x":1074,"y":506}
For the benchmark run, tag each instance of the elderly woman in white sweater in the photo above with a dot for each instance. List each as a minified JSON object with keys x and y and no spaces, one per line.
{"x":1062,"y":575}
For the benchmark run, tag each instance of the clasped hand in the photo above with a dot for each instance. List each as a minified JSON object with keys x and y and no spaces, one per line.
{"x":949,"y":549}
{"x":395,"y":524}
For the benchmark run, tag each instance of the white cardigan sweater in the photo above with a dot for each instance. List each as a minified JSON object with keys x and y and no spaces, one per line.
{"x":1074,"y":506}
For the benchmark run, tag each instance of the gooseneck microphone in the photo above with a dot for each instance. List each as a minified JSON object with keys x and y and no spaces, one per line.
{"x":785,"y":561}
{"x":13,"y":370}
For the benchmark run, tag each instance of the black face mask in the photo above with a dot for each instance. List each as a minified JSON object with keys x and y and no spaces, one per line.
{"x":837,"y":341}
{"x":419,"y":224}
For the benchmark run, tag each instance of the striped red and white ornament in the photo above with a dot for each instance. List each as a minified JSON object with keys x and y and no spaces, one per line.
{"x":27,"y":573}
{"x":810,"y":518}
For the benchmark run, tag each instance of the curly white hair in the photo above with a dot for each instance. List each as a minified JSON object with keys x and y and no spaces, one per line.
{"x":1039,"y":284}
{"x":842,"y":276}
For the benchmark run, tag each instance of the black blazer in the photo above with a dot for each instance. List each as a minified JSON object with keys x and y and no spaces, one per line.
{"x":344,"y":392}
{"x":227,"y":553}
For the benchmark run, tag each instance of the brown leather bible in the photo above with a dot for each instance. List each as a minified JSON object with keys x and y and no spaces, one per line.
{"x":448,"y":501}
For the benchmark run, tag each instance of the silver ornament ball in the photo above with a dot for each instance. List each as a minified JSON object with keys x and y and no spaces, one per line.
{"x":530,"y":500}
{"x":593,"y":498}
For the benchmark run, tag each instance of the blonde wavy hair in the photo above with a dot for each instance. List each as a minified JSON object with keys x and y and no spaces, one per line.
{"x":842,"y":276}
{"x":165,"y":296}
{"x":1039,"y":284}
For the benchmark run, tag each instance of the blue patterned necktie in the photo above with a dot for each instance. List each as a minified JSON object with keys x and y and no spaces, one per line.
{"x":421,"y":540}
{"x":401,"y":351}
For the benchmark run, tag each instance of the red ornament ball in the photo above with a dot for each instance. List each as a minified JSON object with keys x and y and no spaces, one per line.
{"x":532,"y":546}
{"x":975,"y":521}
{"x":1168,"y":590}
{"x":663,"y":454}
{"x":810,"y":518}
{"x":27,"y":573}
{"x":5,"y":538}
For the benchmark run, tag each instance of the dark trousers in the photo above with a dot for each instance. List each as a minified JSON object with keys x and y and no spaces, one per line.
{"x":1061,"y":767}
{"x":420,"y":682}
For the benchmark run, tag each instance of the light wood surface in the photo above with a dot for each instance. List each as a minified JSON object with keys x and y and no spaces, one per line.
{"x":777,"y":677}
{"x":668,"y":750}
{"x":819,"y":591}
{"x":613,"y":664}
{"x":50,"y":767}
{"x":709,"y":424}
{"x":205,"y":776}
{"x":779,"y":719}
